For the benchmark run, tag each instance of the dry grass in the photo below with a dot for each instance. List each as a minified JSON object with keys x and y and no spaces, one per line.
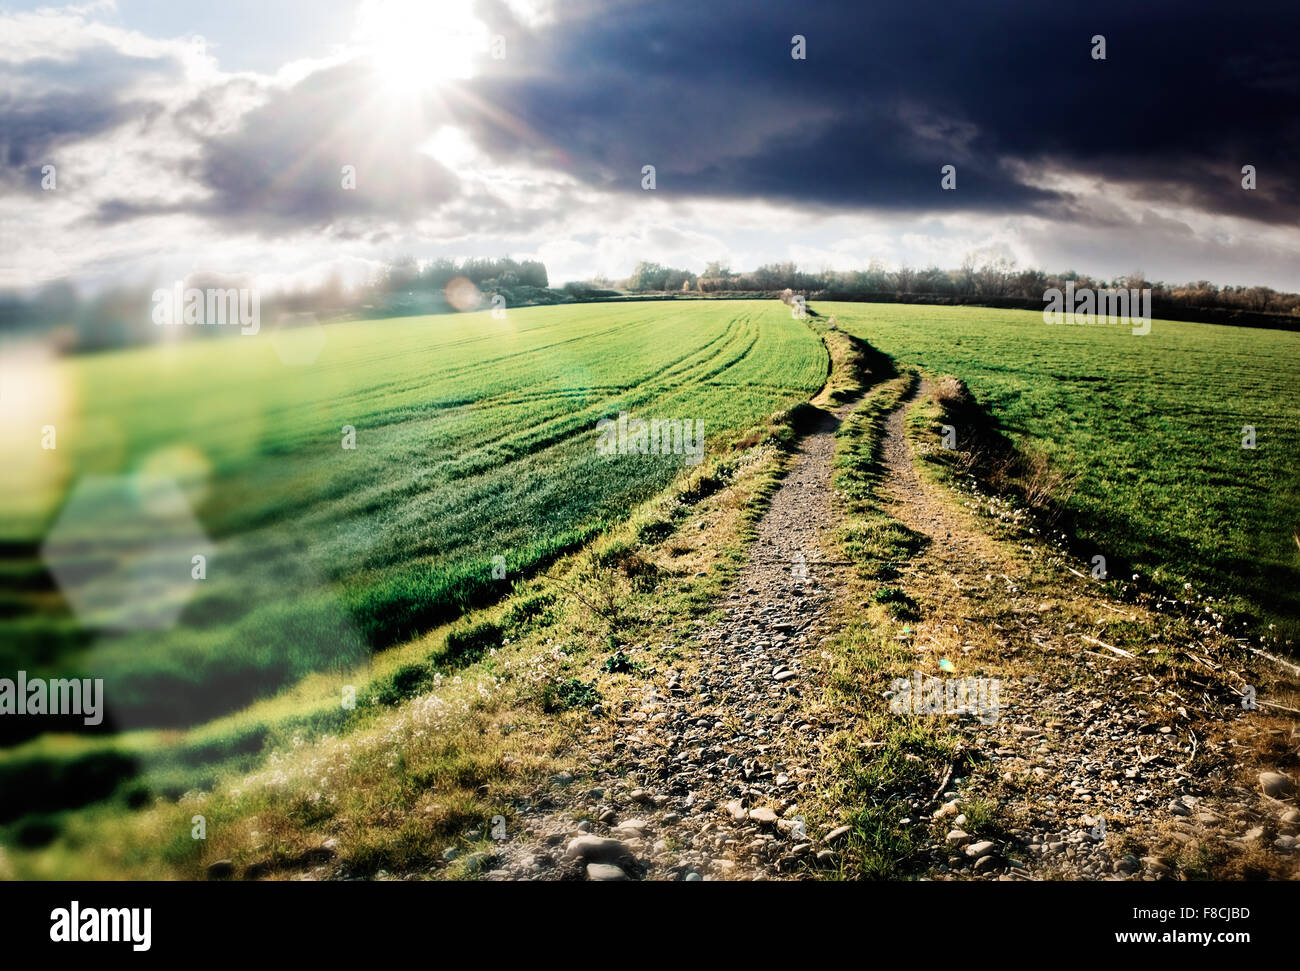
{"x":1026,"y":473}
{"x":951,"y":394}
{"x":1030,"y":474}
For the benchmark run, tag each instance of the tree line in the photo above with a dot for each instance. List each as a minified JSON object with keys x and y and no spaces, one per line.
{"x":996,"y":280}
{"x":122,"y":315}
{"x":402,"y":287}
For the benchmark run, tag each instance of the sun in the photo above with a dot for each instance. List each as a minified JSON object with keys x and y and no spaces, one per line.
{"x":416,"y":45}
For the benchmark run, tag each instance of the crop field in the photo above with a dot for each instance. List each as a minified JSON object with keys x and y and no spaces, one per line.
{"x":355,"y":497}
{"x":475,"y":439}
{"x":1150,"y":431}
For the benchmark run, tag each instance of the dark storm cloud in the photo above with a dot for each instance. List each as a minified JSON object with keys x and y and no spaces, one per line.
{"x":48,"y":104}
{"x":32,"y":129}
{"x":708,"y":93}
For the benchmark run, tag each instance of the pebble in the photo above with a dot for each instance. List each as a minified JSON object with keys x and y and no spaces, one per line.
{"x":987,"y":864}
{"x":981,"y":849}
{"x":595,"y":849}
{"x":605,"y":873}
{"x":1276,"y":784}
{"x":479,"y":862}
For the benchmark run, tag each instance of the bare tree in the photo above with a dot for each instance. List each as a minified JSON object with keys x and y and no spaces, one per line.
{"x":905,"y":279}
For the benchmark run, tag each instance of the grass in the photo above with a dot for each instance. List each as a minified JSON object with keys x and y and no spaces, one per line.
{"x":475,"y":440}
{"x":402,"y":779}
{"x":1147,"y":433}
{"x":391,"y":555}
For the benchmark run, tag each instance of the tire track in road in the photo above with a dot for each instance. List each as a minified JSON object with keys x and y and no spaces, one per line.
{"x":704,"y":779}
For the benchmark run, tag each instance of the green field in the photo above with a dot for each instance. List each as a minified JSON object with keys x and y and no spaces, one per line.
{"x":1152,"y":428}
{"x":475,"y":438}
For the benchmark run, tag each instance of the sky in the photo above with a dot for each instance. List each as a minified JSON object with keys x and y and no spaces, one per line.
{"x":218,"y":138}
